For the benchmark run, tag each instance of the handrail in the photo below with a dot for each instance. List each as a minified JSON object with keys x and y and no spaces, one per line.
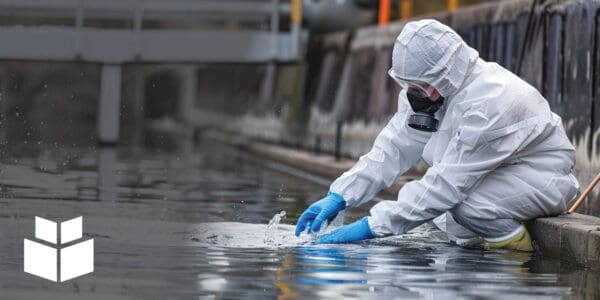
{"x":156,"y":9}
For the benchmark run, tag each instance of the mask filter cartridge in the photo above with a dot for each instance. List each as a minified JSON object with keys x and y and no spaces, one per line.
{"x":423,"y":119}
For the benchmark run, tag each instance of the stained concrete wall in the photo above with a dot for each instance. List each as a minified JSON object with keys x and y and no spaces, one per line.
{"x":345,"y":80}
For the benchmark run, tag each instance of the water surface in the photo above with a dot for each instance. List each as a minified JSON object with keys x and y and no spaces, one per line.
{"x":192,"y":223}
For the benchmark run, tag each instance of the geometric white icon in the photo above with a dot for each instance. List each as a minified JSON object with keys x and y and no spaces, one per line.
{"x":53,"y":262}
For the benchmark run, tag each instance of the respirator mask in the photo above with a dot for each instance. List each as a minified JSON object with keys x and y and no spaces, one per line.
{"x":424,"y":117}
{"x":418,"y":94}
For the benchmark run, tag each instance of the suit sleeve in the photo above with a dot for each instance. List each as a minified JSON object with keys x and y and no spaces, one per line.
{"x":396,"y":149}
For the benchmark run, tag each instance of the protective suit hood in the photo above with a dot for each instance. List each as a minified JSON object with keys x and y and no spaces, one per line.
{"x":431,"y":52}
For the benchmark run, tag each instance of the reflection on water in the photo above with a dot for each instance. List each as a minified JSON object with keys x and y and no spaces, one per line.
{"x":194,"y":223}
{"x":419,"y":265}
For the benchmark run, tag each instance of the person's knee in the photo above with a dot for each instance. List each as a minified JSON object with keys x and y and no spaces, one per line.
{"x":463,"y":215}
{"x":484,"y":226}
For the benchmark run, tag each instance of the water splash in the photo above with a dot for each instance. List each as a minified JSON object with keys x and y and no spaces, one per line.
{"x":272,"y":227}
{"x":276,"y":219}
{"x":278,"y":235}
{"x":275,"y":234}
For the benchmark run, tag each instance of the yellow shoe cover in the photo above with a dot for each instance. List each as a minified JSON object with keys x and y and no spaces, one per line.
{"x":521,"y":242}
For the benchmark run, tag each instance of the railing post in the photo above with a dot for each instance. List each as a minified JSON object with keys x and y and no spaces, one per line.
{"x":268,"y":81}
{"x":338,"y":140}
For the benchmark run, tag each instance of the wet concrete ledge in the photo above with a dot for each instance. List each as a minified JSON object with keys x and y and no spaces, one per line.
{"x":572,"y":238}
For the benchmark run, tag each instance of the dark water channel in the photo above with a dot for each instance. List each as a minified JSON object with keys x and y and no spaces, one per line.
{"x":168,"y":225}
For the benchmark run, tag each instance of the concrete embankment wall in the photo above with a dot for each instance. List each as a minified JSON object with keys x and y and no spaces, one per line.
{"x":344,"y":80}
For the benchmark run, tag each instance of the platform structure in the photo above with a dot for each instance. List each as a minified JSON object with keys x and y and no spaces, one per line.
{"x":196,"y":31}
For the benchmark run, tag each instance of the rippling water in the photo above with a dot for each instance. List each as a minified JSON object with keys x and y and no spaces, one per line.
{"x":193,"y":223}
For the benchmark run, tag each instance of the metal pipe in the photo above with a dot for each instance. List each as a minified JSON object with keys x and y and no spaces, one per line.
{"x":384,"y":12}
{"x":584,"y":195}
{"x":452,"y":5}
{"x":296,"y":11}
{"x":405,"y":9}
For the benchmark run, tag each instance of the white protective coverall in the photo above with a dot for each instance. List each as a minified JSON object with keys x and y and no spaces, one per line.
{"x":499,"y":156}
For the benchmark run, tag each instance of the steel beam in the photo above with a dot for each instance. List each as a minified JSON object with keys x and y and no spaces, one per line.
{"x":120,"y":46}
{"x":155,"y":9}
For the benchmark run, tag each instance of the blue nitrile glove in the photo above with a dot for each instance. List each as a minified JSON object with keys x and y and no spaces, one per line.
{"x":356,"y":231}
{"x":323,"y":210}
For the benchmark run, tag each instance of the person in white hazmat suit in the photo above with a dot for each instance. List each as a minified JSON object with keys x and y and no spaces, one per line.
{"x":498,"y":155}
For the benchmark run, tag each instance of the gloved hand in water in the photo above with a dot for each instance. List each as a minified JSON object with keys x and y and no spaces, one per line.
{"x":356,"y":231}
{"x":323,"y":210}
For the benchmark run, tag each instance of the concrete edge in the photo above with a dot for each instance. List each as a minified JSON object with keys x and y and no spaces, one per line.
{"x":574,"y":238}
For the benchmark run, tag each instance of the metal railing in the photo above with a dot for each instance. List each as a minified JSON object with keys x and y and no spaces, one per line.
{"x":141,"y":9}
{"x":139,"y":42}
